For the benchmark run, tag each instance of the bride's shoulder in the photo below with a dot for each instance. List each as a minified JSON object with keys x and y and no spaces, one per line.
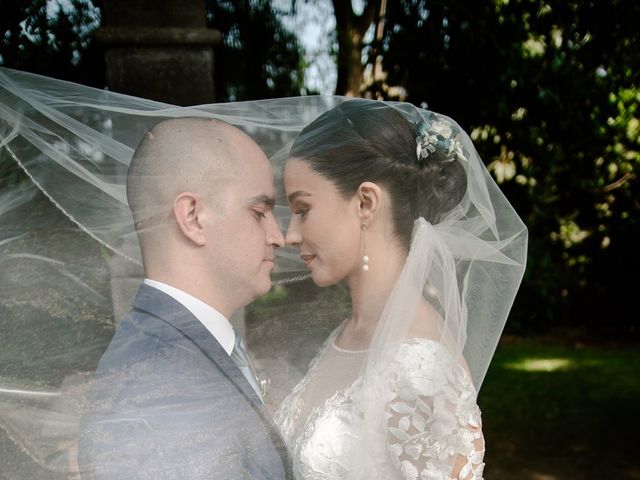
{"x":423,"y":348}
{"x":424,"y":329}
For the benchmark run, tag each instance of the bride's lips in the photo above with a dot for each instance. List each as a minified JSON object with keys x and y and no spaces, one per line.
{"x":308,"y":258}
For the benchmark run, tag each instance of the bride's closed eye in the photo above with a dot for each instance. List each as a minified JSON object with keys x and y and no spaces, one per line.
{"x":302,"y":211}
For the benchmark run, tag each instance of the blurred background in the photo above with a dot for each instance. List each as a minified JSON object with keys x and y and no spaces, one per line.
{"x":549,"y":92}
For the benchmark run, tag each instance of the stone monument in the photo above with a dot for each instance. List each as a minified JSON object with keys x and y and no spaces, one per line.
{"x":159,"y":50}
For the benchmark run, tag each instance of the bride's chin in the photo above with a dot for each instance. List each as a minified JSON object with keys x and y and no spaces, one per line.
{"x":322,"y":280}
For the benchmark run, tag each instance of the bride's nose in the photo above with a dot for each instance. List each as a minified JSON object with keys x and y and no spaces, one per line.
{"x":293,"y":237}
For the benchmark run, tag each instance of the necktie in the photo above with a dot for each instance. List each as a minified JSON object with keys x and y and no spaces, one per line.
{"x":241,"y":359}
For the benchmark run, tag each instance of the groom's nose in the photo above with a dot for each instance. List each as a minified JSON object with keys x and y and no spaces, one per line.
{"x":274,"y":235}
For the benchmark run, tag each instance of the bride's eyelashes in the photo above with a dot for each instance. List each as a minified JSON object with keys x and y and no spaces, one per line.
{"x":302,"y":212}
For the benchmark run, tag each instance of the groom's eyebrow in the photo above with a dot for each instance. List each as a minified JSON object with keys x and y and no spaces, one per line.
{"x":297,"y":194}
{"x":268,"y":201}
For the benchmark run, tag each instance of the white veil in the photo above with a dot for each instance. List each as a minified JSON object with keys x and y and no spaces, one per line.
{"x":468,"y":267}
{"x":74,"y":144}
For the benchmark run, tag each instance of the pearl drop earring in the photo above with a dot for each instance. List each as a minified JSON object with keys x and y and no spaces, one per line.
{"x":365,"y":258}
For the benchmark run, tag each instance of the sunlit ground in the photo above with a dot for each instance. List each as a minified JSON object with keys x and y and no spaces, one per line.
{"x":555,"y":412}
{"x":540,"y":364}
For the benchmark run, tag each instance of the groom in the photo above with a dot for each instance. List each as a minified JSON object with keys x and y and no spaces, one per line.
{"x":174,"y":395}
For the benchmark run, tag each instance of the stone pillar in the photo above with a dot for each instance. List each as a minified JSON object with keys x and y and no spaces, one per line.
{"x":159,"y":50}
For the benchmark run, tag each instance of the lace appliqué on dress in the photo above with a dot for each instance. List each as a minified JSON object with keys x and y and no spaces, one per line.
{"x":434,"y":425}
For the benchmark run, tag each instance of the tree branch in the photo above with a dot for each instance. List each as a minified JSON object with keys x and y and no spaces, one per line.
{"x":618,"y":183}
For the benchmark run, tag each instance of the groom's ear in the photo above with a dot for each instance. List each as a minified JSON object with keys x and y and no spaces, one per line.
{"x":187,"y":210}
{"x":368,"y":195}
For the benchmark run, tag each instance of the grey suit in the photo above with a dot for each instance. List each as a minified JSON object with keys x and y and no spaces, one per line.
{"x":167,"y":402}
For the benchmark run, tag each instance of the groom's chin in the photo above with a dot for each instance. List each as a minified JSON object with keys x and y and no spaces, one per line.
{"x":264,"y":287}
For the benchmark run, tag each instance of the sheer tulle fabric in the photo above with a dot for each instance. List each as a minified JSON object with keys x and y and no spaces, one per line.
{"x":74,"y":143}
{"x":408,"y":407}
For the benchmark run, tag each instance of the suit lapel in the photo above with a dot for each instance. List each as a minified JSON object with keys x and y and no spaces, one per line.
{"x":165,"y":307}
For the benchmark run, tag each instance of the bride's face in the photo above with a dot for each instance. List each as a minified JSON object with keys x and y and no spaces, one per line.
{"x":324,"y":225}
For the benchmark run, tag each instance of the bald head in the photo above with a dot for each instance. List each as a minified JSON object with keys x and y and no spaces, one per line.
{"x":197,"y":155}
{"x":201,"y":194}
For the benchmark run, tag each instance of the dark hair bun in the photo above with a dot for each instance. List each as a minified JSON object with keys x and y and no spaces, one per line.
{"x":367,"y":140}
{"x":441,"y":186}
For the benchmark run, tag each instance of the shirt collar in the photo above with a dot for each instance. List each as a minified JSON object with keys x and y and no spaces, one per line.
{"x":213,"y":321}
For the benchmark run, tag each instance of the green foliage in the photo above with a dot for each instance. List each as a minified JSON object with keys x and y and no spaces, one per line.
{"x":259,"y":57}
{"x":49,"y":39}
{"x":52,"y":39}
{"x":550,"y":93}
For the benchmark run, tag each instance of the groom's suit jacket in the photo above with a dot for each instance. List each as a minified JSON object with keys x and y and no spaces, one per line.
{"x":167,"y":402}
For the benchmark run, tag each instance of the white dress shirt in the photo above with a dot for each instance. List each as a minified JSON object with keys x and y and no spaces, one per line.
{"x":213,"y":320}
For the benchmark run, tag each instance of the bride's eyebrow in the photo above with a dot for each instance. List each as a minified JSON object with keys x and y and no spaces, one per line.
{"x":297,"y":194}
{"x":268,"y":201}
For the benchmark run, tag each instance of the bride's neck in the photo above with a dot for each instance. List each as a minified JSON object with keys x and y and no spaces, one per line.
{"x":369,"y":293}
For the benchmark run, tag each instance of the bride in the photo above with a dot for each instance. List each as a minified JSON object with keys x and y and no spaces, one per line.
{"x":393,"y":201}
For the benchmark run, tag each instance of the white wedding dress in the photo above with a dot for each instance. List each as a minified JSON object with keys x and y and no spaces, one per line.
{"x":432,"y":422}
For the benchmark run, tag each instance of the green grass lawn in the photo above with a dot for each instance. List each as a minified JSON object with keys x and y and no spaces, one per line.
{"x":562,"y":412}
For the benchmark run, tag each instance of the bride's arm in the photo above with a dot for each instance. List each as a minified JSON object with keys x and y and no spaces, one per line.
{"x":434,"y":424}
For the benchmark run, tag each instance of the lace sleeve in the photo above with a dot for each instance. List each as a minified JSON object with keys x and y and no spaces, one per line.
{"x":434,"y":425}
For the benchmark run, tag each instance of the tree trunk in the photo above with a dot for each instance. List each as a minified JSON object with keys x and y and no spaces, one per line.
{"x":351,"y":30}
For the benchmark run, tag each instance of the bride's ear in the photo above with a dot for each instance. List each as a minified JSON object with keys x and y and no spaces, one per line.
{"x":368,"y":195}
{"x":187,"y":210}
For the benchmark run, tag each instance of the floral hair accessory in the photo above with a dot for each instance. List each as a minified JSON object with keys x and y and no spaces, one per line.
{"x":437,"y":135}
